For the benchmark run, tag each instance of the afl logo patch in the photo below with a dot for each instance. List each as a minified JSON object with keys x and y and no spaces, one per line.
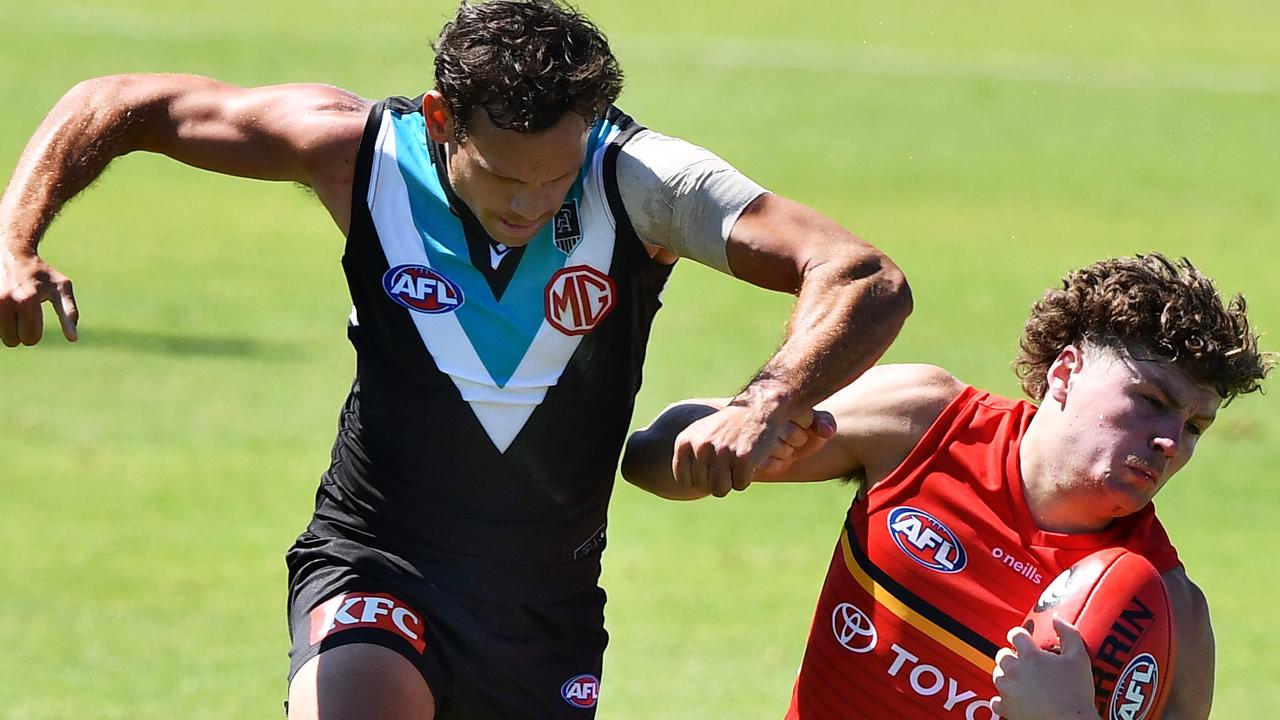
{"x":926,"y":540}
{"x":422,"y":289}
{"x":577,"y":298}
{"x":1135,"y":691}
{"x":581,"y":691}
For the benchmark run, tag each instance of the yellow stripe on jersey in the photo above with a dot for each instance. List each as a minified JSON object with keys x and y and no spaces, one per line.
{"x":887,"y":600}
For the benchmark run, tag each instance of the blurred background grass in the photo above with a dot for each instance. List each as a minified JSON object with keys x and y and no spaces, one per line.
{"x":154,"y":474}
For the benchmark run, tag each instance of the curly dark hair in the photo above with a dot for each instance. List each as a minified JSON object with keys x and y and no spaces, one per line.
{"x":1155,"y":309}
{"x":526,"y":63}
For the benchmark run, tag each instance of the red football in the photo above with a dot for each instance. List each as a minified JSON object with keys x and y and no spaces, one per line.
{"x":1119,"y":603}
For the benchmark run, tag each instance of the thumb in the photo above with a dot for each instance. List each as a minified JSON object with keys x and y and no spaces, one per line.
{"x":824,"y":424}
{"x":64,"y":303}
{"x":1070,"y":639}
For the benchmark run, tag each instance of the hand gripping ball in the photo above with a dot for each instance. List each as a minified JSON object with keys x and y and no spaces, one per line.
{"x":1119,"y":603}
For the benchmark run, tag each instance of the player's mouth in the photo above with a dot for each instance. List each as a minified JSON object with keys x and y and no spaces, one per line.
{"x":522,"y":231}
{"x":1143,"y":472}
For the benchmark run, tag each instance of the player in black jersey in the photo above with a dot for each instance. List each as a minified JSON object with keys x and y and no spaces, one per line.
{"x":507,"y":236}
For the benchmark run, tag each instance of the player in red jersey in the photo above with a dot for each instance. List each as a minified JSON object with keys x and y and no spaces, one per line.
{"x":969,"y":504}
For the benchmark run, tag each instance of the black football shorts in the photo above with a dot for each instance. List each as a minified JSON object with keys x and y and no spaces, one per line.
{"x":481,"y":658}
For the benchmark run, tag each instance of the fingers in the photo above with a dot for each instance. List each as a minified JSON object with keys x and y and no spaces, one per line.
{"x":803,"y":419}
{"x":24,"y":285}
{"x":1021,"y":641}
{"x":64,"y":303}
{"x":742,"y":470}
{"x":1004,"y":656}
{"x":708,"y":467}
{"x":682,"y":462}
{"x":793,"y":435}
{"x":8,"y":325}
{"x":725,"y":451}
{"x":30,"y":322}
{"x":695,"y":466}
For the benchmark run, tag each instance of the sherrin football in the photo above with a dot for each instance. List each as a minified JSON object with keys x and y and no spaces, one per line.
{"x":1119,"y":603}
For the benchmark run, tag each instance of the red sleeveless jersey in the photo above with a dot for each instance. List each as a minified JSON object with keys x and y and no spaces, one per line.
{"x":935,"y":564}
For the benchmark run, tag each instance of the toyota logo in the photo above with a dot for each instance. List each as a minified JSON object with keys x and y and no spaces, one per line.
{"x":853,"y":629}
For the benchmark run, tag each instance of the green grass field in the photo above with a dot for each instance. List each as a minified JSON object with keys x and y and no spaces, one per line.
{"x":153,"y":475}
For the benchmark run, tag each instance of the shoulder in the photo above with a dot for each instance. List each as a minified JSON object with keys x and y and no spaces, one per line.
{"x":882,"y":416}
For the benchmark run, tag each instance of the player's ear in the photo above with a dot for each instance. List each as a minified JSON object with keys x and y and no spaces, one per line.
{"x":436,"y":113}
{"x":1069,"y":362}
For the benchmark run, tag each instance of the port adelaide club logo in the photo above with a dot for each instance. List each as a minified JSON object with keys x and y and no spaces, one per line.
{"x":566,"y":228}
{"x":927,"y":540}
{"x":421,"y":289}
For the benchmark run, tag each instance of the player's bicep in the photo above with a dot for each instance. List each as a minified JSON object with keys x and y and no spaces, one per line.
{"x":280,"y":132}
{"x":1191,"y":695}
{"x":682,"y":199}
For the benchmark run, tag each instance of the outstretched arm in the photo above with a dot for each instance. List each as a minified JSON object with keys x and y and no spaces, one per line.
{"x":865,"y":430}
{"x":851,"y":303}
{"x":646,"y":461}
{"x":302,"y":133}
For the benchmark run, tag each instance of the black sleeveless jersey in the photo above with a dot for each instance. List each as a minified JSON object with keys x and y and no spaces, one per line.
{"x":480,"y":440}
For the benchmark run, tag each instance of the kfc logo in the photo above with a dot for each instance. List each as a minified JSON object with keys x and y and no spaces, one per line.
{"x":368,"y":610}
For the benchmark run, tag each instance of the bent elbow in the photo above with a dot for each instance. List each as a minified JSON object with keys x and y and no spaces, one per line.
{"x":878,"y":281}
{"x":893,"y":287}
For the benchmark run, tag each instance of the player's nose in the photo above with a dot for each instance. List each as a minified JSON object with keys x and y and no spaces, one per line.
{"x":1166,"y":446}
{"x":533,"y":204}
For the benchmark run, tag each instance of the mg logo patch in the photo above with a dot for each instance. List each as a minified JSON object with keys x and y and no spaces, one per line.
{"x":567,"y":229}
{"x":581,"y":691}
{"x":577,"y":298}
{"x":926,"y":540}
{"x":422,"y":289}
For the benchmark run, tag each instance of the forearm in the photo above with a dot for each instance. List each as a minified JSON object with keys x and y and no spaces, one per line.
{"x":95,"y":122}
{"x":849,"y":309}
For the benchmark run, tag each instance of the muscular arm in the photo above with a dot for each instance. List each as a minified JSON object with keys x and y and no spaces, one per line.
{"x":302,"y":133}
{"x":851,"y":303}
{"x":877,"y":419}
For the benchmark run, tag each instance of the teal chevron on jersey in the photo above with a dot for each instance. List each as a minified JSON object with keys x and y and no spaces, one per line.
{"x":500,"y":330}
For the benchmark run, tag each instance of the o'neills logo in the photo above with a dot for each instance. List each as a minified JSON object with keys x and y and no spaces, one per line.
{"x":368,"y":610}
{"x":1023,"y":568}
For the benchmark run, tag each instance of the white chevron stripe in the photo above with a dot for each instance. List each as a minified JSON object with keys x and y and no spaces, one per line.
{"x":504,"y":411}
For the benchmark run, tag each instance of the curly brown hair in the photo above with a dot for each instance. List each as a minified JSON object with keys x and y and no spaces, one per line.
{"x":525,"y":63}
{"x":1149,"y":304}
